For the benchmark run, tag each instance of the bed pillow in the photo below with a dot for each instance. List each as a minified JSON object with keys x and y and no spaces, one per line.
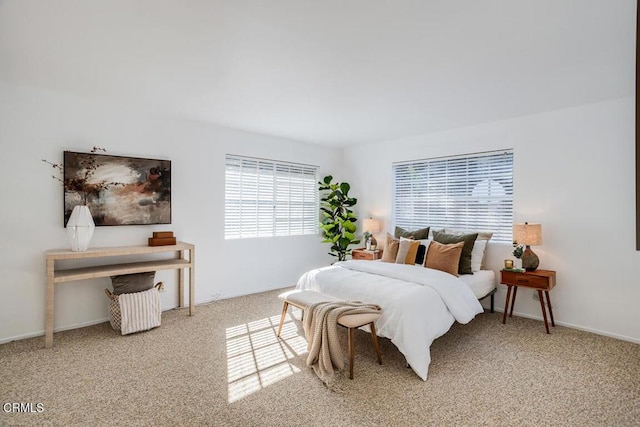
{"x":423,"y":233}
{"x":464,"y":266}
{"x":390,"y":251}
{"x":422,"y":251}
{"x":407,"y":251}
{"x":482,"y":236}
{"x":444,"y":257}
{"x":477,"y":255}
{"x":129,"y":283}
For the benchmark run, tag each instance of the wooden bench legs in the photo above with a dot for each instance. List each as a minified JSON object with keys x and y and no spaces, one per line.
{"x":374,"y":338}
{"x":284,"y":314}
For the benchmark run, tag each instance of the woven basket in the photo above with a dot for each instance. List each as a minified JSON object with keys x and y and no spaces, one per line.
{"x":115,"y":318}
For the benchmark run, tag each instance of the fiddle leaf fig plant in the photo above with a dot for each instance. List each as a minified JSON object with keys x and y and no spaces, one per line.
{"x":338,"y":223}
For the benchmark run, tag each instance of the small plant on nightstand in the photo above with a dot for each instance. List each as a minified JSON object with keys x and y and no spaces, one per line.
{"x":367,"y":240}
{"x":518,"y":250}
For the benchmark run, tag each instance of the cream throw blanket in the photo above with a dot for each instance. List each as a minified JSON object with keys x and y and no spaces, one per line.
{"x":320,"y":328}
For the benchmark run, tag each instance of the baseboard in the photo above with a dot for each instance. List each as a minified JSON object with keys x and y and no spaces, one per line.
{"x":577,"y":327}
{"x":258,"y":291}
{"x":60,"y":329}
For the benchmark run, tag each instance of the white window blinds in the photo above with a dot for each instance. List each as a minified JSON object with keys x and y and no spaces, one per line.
{"x":266,"y":198}
{"x":473,"y":192}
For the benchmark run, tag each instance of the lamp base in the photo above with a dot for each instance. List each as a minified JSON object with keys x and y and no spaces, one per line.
{"x":530,"y":260}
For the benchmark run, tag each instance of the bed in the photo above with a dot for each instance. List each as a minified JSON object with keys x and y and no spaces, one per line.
{"x":420,"y":304}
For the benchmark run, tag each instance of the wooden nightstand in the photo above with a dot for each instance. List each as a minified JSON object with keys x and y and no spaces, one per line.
{"x":541,"y":280}
{"x":362,"y":253}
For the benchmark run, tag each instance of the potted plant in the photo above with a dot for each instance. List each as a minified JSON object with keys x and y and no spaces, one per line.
{"x":518,"y":250}
{"x":338,"y":224}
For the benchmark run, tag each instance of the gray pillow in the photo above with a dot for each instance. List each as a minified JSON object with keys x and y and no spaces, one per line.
{"x":464,"y":266}
{"x":129,"y":283}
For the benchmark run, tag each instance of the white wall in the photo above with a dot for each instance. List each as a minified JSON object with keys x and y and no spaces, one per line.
{"x":574,"y":173}
{"x":36,"y":124}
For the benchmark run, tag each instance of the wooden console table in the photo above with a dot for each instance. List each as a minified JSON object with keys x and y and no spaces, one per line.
{"x":56,"y":276}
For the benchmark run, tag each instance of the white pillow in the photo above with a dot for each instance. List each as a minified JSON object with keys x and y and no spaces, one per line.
{"x":477,"y":254}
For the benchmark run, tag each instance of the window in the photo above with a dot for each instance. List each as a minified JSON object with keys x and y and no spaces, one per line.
{"x":266,"y":198}
{"x":472,"y":192}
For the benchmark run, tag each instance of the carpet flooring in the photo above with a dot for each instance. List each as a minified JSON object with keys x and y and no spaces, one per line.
{"x":225,"y":367}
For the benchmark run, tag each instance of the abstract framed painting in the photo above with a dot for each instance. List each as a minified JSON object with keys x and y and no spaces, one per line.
{"x":118,"y":190}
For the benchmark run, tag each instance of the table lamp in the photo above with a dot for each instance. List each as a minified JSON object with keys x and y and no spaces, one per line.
{"x":528,"y":235}
{"x":372,"y":226}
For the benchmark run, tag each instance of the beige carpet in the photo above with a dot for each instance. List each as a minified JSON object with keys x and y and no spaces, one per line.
{"x":224,"y":366}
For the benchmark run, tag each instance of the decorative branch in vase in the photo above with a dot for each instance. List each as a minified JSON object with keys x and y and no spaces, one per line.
{"x":80,"y":225}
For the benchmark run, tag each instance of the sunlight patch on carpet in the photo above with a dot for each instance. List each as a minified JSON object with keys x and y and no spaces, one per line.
{"x":257,"y":358}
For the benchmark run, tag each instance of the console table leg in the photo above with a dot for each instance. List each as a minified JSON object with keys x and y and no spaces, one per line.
{"x":181,"y":274}
{"x":48,"y":328}
{"x":192,"y":280}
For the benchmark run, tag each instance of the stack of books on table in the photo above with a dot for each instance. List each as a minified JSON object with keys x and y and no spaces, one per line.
{"x":162,"y":238}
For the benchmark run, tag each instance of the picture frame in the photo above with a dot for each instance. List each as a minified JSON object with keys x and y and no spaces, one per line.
{"x":118,"y":190}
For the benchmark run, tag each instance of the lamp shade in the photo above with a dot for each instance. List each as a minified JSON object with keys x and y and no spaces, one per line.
{"x":527,"y":234}
{"x":371,"y":225}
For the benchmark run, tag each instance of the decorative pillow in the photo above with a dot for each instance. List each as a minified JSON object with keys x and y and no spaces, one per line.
{"x":482,"y":236}
{"x":390,"y":251}
{"x":129,"y":283}
{"x":423,"y":233}
{"x":477,"y":254}
{"x":422,"y":251}
{"x":407,"y":251}
{"x":468,"y":239}
{"x":444,"y":257}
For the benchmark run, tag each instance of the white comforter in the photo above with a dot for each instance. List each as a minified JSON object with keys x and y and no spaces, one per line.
{"x":419,"y":304}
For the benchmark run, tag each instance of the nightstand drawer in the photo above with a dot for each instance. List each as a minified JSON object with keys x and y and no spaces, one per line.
{"x":528,"y":280}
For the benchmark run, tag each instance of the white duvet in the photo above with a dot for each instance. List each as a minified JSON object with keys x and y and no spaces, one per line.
{"x":419,"y":304}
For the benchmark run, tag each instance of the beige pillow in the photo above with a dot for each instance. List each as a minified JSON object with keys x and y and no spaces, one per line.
{"x":390,"y":252}
{"x":444,"y":257}
{"x":407,"y":251}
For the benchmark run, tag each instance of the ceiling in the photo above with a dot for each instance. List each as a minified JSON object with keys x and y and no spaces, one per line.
{"x":332,"y":72}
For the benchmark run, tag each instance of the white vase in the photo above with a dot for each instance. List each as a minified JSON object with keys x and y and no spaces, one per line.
{"x":517,"y":263}
{"x":80,"y":228}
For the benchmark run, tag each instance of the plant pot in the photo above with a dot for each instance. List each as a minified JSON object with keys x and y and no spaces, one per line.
{"x":80,"y":228}
{"x":517,"y":263}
